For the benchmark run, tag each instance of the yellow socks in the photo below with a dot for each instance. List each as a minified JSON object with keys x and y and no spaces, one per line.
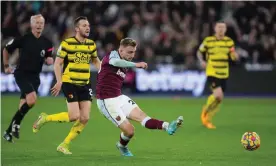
{"x":64,"y":117}
{"x":60,"y":117}
{"x":212,"y":106}
{"x":74,"y":132}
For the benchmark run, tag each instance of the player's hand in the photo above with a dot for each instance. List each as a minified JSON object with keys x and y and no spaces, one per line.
{"x":56,"y":89}
{"x":142,"y":65}
{"x":203,"y":64}
{"x":237,"y":57}
{"x":49,"y":61}
{"x":8,"y":70}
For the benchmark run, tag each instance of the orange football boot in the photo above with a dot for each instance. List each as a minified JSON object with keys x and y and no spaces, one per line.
{"x":206,"y":119}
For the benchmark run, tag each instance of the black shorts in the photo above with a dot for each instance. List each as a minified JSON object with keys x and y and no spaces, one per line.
{"x":77,"y":93}
{"x":214,"y":82}
{"x":27,"y":82}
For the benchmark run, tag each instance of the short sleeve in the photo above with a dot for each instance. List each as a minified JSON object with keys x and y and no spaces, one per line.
{"x":203,"y":46}
{"x":49,"y":50}
{"x":13,"y":44}
{"x":231,"y":46}
{"x":114,"y":54}
{"x":95,"y":54}
{"x":232,"y":50}
{"x":62,"y":50}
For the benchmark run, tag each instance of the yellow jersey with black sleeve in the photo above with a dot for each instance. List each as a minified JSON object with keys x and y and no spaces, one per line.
{"x":218,"y":53}
{"x":77,"y":57}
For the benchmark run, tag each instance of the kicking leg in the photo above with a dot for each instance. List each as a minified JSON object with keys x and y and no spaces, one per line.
{"x":139,"y":116}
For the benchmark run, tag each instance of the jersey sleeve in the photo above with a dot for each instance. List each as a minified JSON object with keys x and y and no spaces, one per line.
{"x":95,"y":54}
{"x":231,"y":46}
{"x":115,"y":60}
{"x":13,"y":44}
{"x":62,"y":50}
{"x":114,"y":54}
{"x":203,"y":46}
{"x":232,"y":50}
{"x":49,"y":50}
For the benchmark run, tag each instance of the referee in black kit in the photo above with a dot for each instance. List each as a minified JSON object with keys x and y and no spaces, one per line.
{"x":34,"y":50}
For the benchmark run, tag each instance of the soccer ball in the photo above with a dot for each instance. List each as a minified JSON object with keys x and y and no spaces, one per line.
{"x":250,"y":141}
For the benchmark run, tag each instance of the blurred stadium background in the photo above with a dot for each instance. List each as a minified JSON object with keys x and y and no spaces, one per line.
{"x":169,"y":34}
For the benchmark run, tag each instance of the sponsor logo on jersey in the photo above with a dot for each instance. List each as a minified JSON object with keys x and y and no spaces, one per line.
{"x":121,"y":74}
{"x":82,"y":58}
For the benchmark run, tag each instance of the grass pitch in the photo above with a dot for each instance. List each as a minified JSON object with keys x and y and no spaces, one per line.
{"x":192,"y":145}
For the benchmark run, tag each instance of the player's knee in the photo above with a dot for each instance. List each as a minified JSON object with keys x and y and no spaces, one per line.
{"x":74,"y":117}
{"x":22,"y":101}
{"x":31,"y":100}
{"x":218,"y":93}
{"x":130,"y":131}
{"x":84,"y":119}
{"x":219,"y":97}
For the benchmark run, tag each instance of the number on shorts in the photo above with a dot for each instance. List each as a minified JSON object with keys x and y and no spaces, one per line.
{"x":131,"y":101}
{"x":90,"y":92}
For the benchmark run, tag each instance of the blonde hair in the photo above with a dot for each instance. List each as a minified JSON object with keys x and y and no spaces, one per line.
{"x":128,"y":42}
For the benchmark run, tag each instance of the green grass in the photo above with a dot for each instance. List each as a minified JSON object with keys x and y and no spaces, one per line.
{"x":192,"y":145}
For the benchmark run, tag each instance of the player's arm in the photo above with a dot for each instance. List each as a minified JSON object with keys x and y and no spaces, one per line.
{"x":61,"y":54}
{"x":57,"y":69}
{"x":95,"y":60}
{"x":49,"y":60}
{"x":115,"y":60}
{"x":121,"y":63}
{"x":126,"y":64}
{"x":11,"y":46}
{"x":233,"y":54}
{"x":202,"y":49}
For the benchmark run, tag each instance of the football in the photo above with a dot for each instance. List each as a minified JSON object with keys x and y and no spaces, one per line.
{"x":251,"y":141}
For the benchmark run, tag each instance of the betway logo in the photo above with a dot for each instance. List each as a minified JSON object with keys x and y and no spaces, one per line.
{"x":8,"y":83}
{"x":171,"y":81}
{"x":121,"y":74}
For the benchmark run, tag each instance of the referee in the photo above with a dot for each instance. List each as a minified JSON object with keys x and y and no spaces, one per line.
{"x":34,"y":50}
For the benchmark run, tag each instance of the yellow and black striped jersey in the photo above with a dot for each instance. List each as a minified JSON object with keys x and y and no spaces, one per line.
{"x":77,"y":57}
{"x":218,"y":53}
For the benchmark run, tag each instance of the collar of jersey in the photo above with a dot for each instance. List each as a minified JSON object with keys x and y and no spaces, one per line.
{"x":79,"y":41}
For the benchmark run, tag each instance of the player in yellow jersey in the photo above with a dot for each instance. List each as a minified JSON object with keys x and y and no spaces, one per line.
{"x":218,"y":49}
{"x":75,"y":54}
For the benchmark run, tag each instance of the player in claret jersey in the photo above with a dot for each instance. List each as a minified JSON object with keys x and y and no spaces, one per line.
{"x":119,"y":108}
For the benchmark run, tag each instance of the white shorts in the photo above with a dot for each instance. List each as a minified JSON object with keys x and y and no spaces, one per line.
{"x":116,"y":109}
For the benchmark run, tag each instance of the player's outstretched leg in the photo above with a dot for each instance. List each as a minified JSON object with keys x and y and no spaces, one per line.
{"x":43,"y":118}
{"x":125,"y":136}
{"x":150,"y":123}
{"x":174,"y":125}
{"x":171,"y":128}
